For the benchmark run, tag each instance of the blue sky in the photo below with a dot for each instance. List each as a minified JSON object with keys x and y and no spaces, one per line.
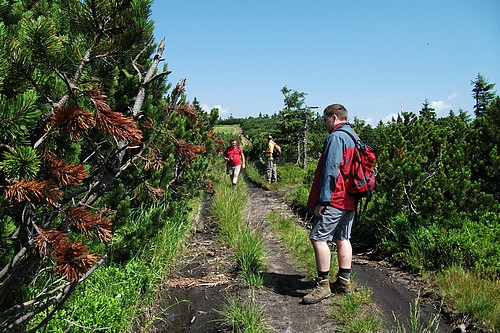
{"x":374,"y":57}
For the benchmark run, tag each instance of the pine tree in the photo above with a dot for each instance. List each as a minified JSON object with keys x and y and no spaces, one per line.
{"x":427,"y":112}
{"x":483,"y":94}
{"x":295,"y":122}
{"x":87,"y":124}
{"x":486,"y":154}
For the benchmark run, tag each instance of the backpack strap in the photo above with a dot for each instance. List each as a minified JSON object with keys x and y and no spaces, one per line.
{"x":348,"y":132}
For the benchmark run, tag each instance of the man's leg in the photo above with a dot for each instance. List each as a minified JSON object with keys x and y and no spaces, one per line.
{"x":236,"y":173}
{"x":323,"y":257}
{"x":274,"y":174}
{"x":269,"y":169}
{"x":344,"y":255}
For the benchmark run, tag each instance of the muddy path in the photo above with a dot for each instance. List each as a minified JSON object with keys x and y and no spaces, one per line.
{"x":205,"y":274}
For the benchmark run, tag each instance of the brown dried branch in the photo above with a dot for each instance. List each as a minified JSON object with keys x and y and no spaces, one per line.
{"x":157,"y":192}
{"x":179,"y":89}
{"x":149,"y":123}
{"x":189,"y":111}
{"x":72,"y":120}
{"x":219,"y":146}
{"x":182,"y":148}
{"x":87,"y":222}
{"x":40,"y":191}
{"x":154,"y":160}
{"x":66,"y":174}
{"x":73,"y":260}
{"x":116,"y":123}
{"x":47,"y":240}
{"x":219,"y":142}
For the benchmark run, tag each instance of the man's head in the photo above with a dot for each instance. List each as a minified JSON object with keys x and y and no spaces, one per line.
{"x":334,"y":114}
{"x":270,"y":137}
{"x":234,"y":143}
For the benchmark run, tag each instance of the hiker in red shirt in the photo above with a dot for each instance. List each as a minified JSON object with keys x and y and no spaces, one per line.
{"x":235,"y":161}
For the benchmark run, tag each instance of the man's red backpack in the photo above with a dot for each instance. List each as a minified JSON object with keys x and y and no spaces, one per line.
{"x":360,"y":181}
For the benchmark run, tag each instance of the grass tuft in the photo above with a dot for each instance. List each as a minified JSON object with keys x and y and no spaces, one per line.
{"x":416,"y":325}
{"x":249,"y":250}
{"x":243,"y":316}
{"x":472,"y":294}
{"x":357,"y":313}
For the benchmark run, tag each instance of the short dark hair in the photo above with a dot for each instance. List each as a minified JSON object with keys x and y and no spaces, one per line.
{"x":337,"y":109}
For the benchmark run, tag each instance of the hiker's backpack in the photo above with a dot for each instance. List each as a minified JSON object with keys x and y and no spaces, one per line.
{"x":277,"y":150}
{"x":360,"y":181}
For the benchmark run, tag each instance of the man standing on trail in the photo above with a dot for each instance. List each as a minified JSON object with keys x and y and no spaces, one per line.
{"x":235,"y":161}
{"x":270,"y":161}
{"x":333,"y":206}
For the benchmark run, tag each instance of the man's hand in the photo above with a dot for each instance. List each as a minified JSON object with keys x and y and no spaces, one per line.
{"x":318,"y":210}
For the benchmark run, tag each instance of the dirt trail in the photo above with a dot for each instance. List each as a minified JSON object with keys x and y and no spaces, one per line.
{"x":205,"y":274}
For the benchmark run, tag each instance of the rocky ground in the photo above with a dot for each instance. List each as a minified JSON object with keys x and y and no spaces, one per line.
{"x":205,"y":275}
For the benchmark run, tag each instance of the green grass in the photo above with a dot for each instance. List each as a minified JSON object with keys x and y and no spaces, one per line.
{"x":227,"y":129}
{"x":243,"y":316}
{"x":247,"y":245}
{"x":250,"y":255}
{"x":296,"y":240}
{"x":113,"y":295}
{"x":356,"y":312}
{"x":416,"y":325}
{"x":290,"y":178}
{"x":473,"y":295}
{"x":248,"y":250}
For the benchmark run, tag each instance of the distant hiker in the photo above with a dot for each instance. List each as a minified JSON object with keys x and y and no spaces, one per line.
{"x":333,"y":206}
{"x":271,"y":160}
{"x":235,"y":161}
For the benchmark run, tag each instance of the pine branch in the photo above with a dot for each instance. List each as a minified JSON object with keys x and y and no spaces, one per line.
{"x":95,"y":187}
{"x":66,"y":295}
{"x":115,"y":123}
{"x":74,"y":121}
{"x":66,"y":174}
{"x":150,"y":77}
{"x":40,"y":191}
{"x":86,"y":222}
{"x":12,"y":317}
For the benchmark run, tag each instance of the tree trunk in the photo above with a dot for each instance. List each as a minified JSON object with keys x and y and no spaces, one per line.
{"x":304,"y":161}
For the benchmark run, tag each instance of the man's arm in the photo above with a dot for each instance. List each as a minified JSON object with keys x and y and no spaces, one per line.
{"x":333,"y":157}
{"x":242,"y":160}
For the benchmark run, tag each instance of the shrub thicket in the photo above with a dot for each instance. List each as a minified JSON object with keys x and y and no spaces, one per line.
{"x":436,"y":200}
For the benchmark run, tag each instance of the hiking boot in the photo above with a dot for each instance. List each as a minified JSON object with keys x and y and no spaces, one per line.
{"x":321,"y":292}
{"x":342,"y":286}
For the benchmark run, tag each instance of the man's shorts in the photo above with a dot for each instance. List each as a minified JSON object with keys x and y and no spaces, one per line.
{"x":233,"y":170}
{"x":335,"y":224}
